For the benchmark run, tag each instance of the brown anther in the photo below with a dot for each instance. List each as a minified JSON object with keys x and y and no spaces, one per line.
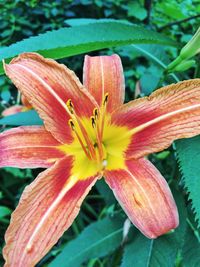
{"x":96,"y":114}
{"x":93,"y":121}
{"x":95,"y":145}
{"x":70,"y":106}
{"x":105,"y":99}
{"x":71,"y":124}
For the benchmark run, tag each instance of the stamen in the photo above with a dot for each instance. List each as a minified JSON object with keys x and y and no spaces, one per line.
{"x":84,"y":132}
{"x":99,"y":143}
{"x":96,"y":113}
{"x":103,"y":107}
{"x":70,"y":106}
{"x":93,"y":121}
{"x":71,"y":124}
{"x":105,"y":101}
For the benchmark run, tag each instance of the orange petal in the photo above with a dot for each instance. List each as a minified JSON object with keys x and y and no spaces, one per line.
{"x":46,"y":209}
{"x":25,"y":102}
{"x":48,"y":85}
{"x":28,"y":147}
{"x":145,"y":196}
{"x":104,"y":74}
{"x":170,"y":113}
{"x":12,"y":110}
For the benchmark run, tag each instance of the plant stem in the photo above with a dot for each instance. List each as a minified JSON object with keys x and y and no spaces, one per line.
{"x":178,"y":22}
{"x":147,"y":6}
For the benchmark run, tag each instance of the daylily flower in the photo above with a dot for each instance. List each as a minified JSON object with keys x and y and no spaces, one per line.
{"x":17,"y":108}
{"x":88,"y":133}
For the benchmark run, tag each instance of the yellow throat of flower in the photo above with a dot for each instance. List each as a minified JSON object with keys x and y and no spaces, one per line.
{"x":98,"y":144}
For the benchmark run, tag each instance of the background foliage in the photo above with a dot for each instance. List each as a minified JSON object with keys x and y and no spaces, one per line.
{"x":96,"y":238}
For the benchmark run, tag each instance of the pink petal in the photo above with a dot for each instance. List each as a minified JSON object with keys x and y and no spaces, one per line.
{"x":28,"y":147}
{"x":48,"y":86}
{"x":104,"y":74}
{"x":46,"y":209}
{"x":25,"y":102}
{"x":12,"y":110}
{"x":145,"y":197}
{"x":170,"y":113}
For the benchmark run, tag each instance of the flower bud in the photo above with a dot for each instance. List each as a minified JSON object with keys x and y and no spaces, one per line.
{"x":189,"y":50}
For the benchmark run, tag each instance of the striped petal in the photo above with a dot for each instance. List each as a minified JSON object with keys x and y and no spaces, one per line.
{"x":28,"y":147}
{"x":12,"y":110}
{"x":145,"y":196}
{"x":104,"y":74}
{"x":25,"y":102}
{"x":46,"y":209}
{"x":170,"y":113}
{"x":47,"y":86}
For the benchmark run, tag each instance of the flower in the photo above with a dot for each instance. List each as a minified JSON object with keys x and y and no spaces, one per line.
{"x":88,"y":133}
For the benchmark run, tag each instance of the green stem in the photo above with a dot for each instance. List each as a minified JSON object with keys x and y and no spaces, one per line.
{"x":158,"y":61}
{"x":18,"y":98}
{"x":178,"y":22}
{"x":196,"y":233}
{"x":197,"y":70}
{"x":88,"y":207}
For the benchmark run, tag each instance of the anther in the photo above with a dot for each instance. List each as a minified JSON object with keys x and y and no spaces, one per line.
{"x":93,"y":121}
{"x":95,"y":112}
{"x":70,"y":106}
{"x":71,"y":124}
{"x":105,"y":99}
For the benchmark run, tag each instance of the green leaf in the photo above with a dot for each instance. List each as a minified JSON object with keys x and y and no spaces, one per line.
{"x":189,"y":162}
{"x":84,"y":38}
{"x":137,"y":11}
{"x":18,"y":173}
{"x":105,"y":191}
{"x":191,"y":250}
{"x":85,"y":21}
{"x":4,"y":211}
{"x":22,"y":118}
{"x":97,"y":240}
{"x":156,"y":54}
{"x":143,"y":252}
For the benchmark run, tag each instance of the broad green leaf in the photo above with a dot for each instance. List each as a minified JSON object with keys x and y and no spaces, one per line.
{"x":143,"y":252}
{"x":105,"y":191}
{"x":156,"y":54}
{"x":18,"y":173}
{"x":191,"y":250}
{"x":85,"y":21}
{"x":149,"y":81}
{"x":97,"y":240}
{"x":189,"y":162}
{"x":136,"y":10}
{"x":22,"y":118}
{"x":4,"y":211}
{"x":84,"y":38}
